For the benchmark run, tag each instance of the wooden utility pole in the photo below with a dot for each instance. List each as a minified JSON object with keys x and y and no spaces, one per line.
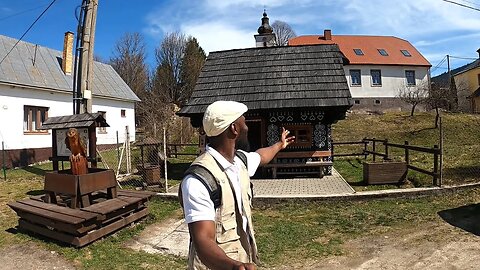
{"x":83,"y":78}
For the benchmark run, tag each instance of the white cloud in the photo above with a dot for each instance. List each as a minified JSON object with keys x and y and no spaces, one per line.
{"x":213,"y":37}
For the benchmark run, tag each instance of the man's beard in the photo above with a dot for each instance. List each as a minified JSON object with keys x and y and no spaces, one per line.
{"x":243,"y":144}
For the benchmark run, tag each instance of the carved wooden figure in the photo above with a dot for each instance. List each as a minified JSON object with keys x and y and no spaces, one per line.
{"x":78,"y":158}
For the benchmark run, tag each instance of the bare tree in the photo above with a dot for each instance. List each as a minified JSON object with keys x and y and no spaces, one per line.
{"x":414,"y":95}
{"x":283,"y":32}
{"x":129,"y":61}
{"x":169,"y":57}
{"x":438,"y":99}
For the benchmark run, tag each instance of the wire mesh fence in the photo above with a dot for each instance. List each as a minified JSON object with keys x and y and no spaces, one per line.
{"x":147,"y":163}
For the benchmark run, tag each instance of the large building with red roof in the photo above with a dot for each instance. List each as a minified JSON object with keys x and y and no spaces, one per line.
{"x":379,"y":67}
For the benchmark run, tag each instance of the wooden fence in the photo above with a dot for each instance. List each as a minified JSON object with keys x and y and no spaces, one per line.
{"x":176,"y":149}
{"x":377,"y":145}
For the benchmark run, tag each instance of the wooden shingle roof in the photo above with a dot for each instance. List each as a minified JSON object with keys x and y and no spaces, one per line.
{"x":273,"y":78}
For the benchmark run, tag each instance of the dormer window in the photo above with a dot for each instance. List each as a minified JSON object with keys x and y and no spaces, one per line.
{"x":406,"y":53}
{"x":382,"y":52}
{"x":358,"y":51}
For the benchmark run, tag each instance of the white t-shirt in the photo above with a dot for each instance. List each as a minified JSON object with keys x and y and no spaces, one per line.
{"x":197,"y":204}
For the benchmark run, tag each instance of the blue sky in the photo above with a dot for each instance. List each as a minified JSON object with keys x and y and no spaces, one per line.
{"x":434,"y":27}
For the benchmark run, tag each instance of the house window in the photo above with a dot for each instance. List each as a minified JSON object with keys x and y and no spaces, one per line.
{"x":376,"y":77}
{"x":478,"y":77}
{"x":377,"y":102}
{"x":33,"y":117}
{"x":123,"y":113}
{"x":302,"y":133}
{"x":103,"y":129}
{"x":358,"y":51}
{"x":382,"y":52}
{"x":410,"y":76}
{"x":355,"y":77}
{"x":406,"y":53}
{"x":357,"y":101}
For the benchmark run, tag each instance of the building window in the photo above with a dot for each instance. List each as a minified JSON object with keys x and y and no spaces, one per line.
{"x":302,"y":133}
{"x":123,"y":113}
{"x":478,"y":77}
{"x":357,"y":101}
{"x":376,"y":77}
{"x":410,"y":76}
{"x":358,"y":51}
{"x":33,"y":117}
{"x":377,"y":102}
{"x":355,"y":77}
{"x":382,"y":52}
{"x":103,"y":129}
{"x":406,"y":53}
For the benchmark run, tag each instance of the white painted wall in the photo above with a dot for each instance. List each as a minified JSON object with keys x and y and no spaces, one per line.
{"x":393,"y":79}
{"x":12,"y":100}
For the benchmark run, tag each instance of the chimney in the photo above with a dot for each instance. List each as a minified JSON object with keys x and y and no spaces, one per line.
{"x":478,"y":51}
{"x":67,"y":55}
{"x":327,"y":34}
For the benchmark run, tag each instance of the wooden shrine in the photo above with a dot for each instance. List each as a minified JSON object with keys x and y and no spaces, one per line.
{"x":79,"y":209}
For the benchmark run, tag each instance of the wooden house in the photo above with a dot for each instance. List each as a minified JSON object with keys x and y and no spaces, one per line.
{"x":301,"y":88}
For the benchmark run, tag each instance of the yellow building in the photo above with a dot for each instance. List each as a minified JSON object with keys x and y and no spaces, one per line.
{"x":467,"y":83}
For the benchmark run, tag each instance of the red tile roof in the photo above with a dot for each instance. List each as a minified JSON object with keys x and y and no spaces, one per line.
{"x":369,"y":46}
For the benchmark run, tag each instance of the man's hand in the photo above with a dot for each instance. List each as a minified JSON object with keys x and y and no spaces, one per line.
{"x":245,"y":266}
{"x":286,"y":140}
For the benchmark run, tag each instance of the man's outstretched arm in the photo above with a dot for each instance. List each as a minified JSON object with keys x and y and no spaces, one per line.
{"x":268,"y":153}
{"x":203,"y":237}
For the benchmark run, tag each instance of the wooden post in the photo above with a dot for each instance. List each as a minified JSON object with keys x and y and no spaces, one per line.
{"x":54,"y":150}
{"x":386,"y":149}
{"x":407,"y":155}
{"x":441,"y":153}
{"x":128,"y":153}
{"x":435,"y":166}
{"x":373,"y":150}
{"x":92,"y":145}
{"x":4,"y":168}
{"x":365,"y":144}
{"x":331,"y":143}
{"x":165,"y":155}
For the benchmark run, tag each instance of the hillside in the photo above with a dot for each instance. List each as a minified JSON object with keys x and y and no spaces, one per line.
{"x":461,"y":139}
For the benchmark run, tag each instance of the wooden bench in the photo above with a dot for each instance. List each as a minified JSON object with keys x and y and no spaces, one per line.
{"x":300,"y":157}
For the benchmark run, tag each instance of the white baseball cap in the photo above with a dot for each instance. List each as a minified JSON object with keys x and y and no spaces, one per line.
{"x":220,"y":114}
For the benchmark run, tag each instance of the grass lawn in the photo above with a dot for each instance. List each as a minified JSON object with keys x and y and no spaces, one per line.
{"x":461,"y":145}
{"x":294,"y":231}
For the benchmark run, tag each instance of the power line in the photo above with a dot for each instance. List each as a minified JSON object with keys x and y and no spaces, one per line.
{"x":440,"y":63}
{"x":462,"y":5}
{"x":38,"y":18}
{"x":21,"y":12}
{"x":470,"y":2}
{"x":464,"y":58}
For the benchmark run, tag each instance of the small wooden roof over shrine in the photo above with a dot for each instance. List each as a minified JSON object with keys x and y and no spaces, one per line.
{"x":75,"y":121}
{"x":265,"y":78}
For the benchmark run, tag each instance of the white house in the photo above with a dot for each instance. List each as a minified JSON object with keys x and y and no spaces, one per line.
{"x":379,"y":67}
{"x":33,"y":86}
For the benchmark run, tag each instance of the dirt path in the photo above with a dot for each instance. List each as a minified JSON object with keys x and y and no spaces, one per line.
{"x":31,"y":257}
{"x":438,"y":246}
{"x":426,"y":247}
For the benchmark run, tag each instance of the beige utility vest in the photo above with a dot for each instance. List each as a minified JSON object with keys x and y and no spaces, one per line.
{"x":230,"y":235}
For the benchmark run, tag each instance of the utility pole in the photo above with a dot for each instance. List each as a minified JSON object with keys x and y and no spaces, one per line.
{"x":83,"y":77}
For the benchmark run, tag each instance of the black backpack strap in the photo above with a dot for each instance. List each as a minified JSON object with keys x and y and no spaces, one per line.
{"x":241,"y":155}
{"x":208,"y":180}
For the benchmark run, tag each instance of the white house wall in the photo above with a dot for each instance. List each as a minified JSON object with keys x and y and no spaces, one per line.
{"x":393,"y":79}
{"x":13,"y":100}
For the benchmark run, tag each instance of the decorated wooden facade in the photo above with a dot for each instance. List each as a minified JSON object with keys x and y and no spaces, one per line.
{"x":301,"y":88}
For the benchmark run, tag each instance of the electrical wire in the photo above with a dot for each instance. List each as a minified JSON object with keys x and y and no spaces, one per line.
{"x":21,"y":12}
{"x":464,"y":58}
{"x":18,"y":41}
{"x":462,"y":5}
{"x":439,"y":64}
